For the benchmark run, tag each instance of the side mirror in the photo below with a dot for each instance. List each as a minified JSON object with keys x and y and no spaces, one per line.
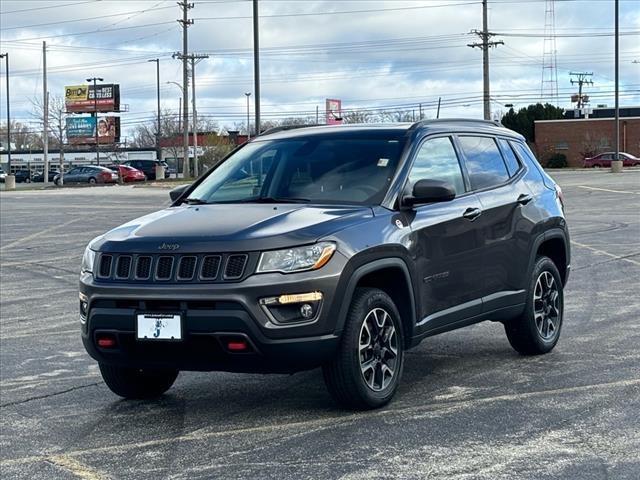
{"x":429,"y":191}
{"x":177,"y":192}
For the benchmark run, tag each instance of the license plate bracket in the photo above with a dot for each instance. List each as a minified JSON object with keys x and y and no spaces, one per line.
{"x":159,"y":326}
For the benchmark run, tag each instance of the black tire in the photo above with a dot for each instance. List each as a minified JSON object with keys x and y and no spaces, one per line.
{"x":92,"y":181}
{"x":136,"y":383}
{"x":27,"y":180}
{"x":344,"y":376}
{"x":526,"y":333}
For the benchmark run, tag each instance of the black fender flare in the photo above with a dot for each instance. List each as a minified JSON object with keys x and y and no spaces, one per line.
{"x":360,"y":272}
{"x":543,"y":237}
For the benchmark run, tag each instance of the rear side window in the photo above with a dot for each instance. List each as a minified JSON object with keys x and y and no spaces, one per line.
{"x":513,"y":165}
{"x":484,"y":162}
{"x":437,"y":160}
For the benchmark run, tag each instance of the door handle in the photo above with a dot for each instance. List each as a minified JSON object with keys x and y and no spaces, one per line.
{"x":472,"y":213}
{"x":524,"y":198}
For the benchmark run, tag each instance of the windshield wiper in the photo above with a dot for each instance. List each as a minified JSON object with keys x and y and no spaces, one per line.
{"x":194,"y":201}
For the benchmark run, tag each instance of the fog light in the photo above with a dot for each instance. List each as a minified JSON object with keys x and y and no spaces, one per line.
{"x":306,"y":311}
{"x":294,"y":308}
{"x":84,"y":307}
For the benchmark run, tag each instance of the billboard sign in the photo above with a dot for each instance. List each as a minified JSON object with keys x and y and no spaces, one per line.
{"x":82,"y":130}
{"x":80,"y":98}
{"x":334,"y":111}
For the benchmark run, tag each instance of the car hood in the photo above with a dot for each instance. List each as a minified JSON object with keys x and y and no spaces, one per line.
{"x":229,"y":228}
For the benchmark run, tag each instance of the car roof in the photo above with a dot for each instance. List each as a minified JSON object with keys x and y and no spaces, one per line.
{"x":444,"y":125}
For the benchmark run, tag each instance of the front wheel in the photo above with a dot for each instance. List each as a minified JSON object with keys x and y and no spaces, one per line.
{"x":92,"y":181}
{"x":368,"y":365}
{"x":537,"y":330}
{"x":137,"y":383}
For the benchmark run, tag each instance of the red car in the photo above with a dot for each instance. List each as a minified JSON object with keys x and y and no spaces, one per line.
{"x":604,"y":160}
{"x":129,"y":174}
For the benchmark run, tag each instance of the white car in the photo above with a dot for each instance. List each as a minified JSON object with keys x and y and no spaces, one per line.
{"x":3,"y":175}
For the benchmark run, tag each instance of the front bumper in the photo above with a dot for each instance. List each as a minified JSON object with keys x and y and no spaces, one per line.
{"x":211,"y":313}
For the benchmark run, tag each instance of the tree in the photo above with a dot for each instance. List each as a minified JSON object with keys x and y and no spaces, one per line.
{"x":523,"y":121}
{"x":57,"y":119}
{"x":23,"y":137}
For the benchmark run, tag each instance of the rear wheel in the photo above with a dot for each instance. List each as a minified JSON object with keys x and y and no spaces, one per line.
{"x":537,"y":330}
{"x":368,"y":365}
{"x":137,"y":383}
{"x":92,"y":181}
{"x":596,"y":165}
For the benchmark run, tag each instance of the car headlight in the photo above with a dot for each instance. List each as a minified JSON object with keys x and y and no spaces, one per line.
{"x":88,"y":259}
{"x":298,"y":259}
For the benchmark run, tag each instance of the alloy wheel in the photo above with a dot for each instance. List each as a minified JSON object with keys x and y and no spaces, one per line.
{"x":378,"y":349}
{"x":546,"y":306}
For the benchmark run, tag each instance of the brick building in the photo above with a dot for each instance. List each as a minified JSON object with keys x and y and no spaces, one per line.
{"x":580,"y":137}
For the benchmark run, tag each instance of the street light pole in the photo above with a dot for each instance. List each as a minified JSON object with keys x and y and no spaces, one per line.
{"x":256,"y":63}
{"x":95,"y":112}
{"x":6,"y":60}
{"x":248,"y":94}
{"x":158,"y":128}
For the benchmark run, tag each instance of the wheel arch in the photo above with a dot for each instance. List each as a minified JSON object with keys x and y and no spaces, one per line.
{"x":554,"y":244}
{"x":392,"y":276}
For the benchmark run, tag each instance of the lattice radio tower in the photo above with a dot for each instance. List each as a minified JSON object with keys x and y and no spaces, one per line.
{"x":549,"y":84}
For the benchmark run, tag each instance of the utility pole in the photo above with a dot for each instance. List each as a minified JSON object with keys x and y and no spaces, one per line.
{"x":256,"y":64}
{"x":582,"y":79}
{"x":158,"y":127}
{"x":185,"y":22}
{"x":95,"y":113}
{"x":485,"y":45}
{"x":317,"y":115}
{"x":248,"y":94}
{"x":10,"y":182}
{"x":193,"y":58}
{"x":617,"y":168}
{"x":45,"y":114}
{"x":439,"y":101}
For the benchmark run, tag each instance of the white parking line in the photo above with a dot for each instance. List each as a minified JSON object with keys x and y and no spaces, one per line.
{"x":608,"y":190}
{"x":75,"y":467}
{"x":41,"y":232}
{"x":602,"y":252}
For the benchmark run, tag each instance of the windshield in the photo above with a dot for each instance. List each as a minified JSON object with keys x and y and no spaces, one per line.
{"x":310,"y":169}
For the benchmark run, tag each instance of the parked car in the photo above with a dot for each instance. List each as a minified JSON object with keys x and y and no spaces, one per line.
{"x":23,"y":176}
{"x":604,"y":160}
{"x":338,"y":247}
{"x":3,"y":175}
{"x":148,"y":167}
{"x":128,"y":174}
{"x":91,"y":174}
{"x":39,"y":176}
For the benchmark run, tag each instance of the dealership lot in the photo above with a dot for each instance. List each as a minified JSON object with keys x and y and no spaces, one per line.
{"x":468,"y":406}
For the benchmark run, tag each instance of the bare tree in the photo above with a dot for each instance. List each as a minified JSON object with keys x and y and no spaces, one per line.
{"x":57,"y":126}
{"x":23,"y":137}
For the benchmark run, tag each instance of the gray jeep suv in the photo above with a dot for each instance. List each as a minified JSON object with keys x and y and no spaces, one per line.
{"x":338,"y":247}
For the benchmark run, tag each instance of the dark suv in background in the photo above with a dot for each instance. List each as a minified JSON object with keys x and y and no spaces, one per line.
{"x":148,"y":167}
{"x":340,"y":247}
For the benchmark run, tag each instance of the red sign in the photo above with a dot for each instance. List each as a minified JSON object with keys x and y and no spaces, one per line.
{"x":334,"y":111}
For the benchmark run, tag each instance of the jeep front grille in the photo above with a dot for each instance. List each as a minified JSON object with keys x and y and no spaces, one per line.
{"x":175,"y":268}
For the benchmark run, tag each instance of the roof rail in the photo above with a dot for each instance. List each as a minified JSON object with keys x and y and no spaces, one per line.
{"x":283,"y":128}
{"x":495,"y":123}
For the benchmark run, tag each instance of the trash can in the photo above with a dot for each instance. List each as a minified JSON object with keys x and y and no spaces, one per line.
{"x":159,"y":172}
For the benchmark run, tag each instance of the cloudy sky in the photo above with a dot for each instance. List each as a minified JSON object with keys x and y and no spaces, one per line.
{"x":391,"y":54}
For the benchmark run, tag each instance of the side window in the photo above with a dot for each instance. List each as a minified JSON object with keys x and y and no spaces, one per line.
{"x":513,"y":165}
{"x":437,"y":160}
{"x":484,"y":162}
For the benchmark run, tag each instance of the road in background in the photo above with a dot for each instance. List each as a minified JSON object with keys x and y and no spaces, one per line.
{"x":468,"y":405}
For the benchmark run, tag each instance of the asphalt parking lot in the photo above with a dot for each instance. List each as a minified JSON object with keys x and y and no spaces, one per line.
{"x":469,"y":407}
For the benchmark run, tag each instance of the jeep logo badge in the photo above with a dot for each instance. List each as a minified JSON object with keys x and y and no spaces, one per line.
{"x":169,"y":246}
